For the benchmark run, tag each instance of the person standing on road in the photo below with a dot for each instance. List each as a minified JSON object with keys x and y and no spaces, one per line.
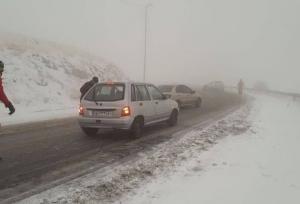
{"x":241,"y":87}
{"x":3,"y":97}
{"x":87,"y":86}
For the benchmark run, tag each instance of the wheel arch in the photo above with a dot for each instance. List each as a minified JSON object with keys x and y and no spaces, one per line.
{"x":175,"y":109}
{"x":139,"y":117}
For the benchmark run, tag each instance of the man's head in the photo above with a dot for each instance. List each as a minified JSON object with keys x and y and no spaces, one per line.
{"x":1,"y":66}
{"x":95,"y":79}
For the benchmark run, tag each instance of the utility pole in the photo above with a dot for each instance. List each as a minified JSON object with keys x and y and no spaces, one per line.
{"x":147,"y":6}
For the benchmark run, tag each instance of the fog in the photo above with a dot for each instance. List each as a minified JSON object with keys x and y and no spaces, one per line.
{"x":189,"y":41}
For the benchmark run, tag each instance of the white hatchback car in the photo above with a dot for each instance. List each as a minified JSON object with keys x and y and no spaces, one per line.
{"x":125,"y":105}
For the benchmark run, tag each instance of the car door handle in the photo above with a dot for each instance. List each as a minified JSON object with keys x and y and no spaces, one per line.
{"x":156,"y":102}
{"x":141,"y":104}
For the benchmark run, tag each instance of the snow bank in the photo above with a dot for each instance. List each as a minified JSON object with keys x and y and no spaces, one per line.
{"x":42,"y":79}
{"x":260,"y":166}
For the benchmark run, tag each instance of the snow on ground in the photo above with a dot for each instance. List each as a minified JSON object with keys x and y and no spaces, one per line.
{"x":109,"y":184}
{"x":261,"y":165}
{"x":42,"y":79}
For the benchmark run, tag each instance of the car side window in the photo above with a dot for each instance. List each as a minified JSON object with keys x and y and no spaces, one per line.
{"x":133,"y":95}
{"x":188,"y":90}
{"x":155,"y":93}
{"x":179,"y":89}
{"x":142,"y":93}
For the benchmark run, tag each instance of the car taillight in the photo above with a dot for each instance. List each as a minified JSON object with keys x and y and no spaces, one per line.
{"x":81,"y":110}
{"x":125,"y":111}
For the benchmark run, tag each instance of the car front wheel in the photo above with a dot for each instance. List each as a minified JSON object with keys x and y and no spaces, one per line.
{"x":173,"y":118}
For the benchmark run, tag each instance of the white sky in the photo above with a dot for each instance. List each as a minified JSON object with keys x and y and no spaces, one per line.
{"x":191,"y":41}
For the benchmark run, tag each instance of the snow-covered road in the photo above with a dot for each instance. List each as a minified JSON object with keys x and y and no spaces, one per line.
{"x":39,"y":156}
{"x":261,"y":165}
{"x":112,"y":165}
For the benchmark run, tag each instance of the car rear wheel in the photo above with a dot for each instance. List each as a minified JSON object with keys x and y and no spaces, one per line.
{"x":173,"y":118}
{"x":198,"y":103}
{"x":137,"y":128}
{"x":90,"y":131}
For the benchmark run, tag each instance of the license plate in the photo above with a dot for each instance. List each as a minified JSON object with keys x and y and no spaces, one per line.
{"x":101,"y":114}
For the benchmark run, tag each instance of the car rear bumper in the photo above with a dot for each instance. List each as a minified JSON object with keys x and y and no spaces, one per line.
{"x":106,"y":123}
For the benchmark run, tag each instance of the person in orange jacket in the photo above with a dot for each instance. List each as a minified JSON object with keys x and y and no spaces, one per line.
{"x":3,"y":97}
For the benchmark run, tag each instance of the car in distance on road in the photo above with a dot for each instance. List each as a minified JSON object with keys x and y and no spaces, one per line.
{"x":215,"y":86}
{"x":126,"y":106}
{"x":182,"y":94}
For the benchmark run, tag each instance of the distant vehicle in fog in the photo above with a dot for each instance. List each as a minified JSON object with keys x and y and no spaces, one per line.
{"x":127,"y":106}
{"x":214,"y":86}
{"x":182,"y":94}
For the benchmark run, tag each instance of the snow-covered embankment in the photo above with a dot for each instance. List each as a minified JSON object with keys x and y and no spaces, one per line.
{"x":42,"y":79}
{"x":261,"y":165}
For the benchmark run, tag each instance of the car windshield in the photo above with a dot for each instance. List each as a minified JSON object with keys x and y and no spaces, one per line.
{"x":106,"y":92}
{"x":165,"y":88}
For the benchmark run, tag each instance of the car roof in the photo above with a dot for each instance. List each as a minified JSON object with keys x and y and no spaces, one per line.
{"x":125,"y":82}
{"x":173,"y":85}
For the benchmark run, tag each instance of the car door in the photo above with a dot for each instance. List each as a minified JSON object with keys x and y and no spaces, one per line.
{"x":142,"y":103}
{"x":190,"y":95}
{"x":161,"y":104}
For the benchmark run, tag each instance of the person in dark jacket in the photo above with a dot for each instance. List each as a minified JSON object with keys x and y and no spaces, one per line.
{"x":3,"y":97}
{"x":84,"y":89}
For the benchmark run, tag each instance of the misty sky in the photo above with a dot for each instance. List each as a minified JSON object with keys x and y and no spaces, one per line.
{"x":190,"y":41}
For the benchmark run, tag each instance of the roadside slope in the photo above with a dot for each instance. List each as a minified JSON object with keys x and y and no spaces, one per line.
{"x":42,"y":79}
{"x":258,"y":166}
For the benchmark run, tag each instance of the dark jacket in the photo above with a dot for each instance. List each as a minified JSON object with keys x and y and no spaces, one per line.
{"x":86,"y":87}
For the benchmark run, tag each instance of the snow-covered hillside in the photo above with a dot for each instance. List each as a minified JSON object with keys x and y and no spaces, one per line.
{"x":44,"y":76}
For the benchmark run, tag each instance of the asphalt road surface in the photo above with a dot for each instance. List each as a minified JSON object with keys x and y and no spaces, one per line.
{"x":37,"y":156}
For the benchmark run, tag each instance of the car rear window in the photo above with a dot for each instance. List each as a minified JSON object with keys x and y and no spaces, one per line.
{"x":106,"y":92}
{"x":165,"y":88}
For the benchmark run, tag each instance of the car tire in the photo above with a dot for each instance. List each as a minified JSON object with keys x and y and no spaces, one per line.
{"x":198,"y":103}
{"x":173,"y":118}
{"x":90,"y":131}
{"x":137,"y":128}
